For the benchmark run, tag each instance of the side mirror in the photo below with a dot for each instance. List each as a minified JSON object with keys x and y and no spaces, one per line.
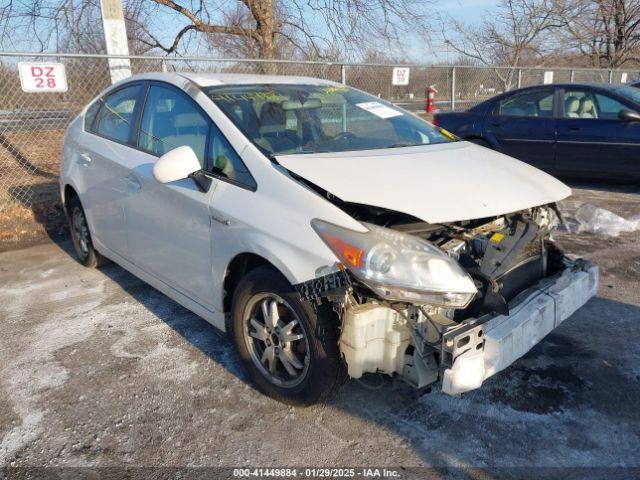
{"x":176,"y":164}
{"x":628,"y":115}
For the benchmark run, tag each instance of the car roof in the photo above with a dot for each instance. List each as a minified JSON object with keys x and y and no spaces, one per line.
{"x":602,"y":86}
{"x":218,"y":79}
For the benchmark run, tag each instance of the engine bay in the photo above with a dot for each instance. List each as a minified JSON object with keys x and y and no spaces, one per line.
{"x":504,"y":256}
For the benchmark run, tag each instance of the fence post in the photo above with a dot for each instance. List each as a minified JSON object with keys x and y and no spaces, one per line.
{"x":572,"y":76}
{"x":164,"y":66}
{"x":519,"y":78}
{"x":611,"y":76}
{"x":343,"y":74}
{"x":453,"y":88}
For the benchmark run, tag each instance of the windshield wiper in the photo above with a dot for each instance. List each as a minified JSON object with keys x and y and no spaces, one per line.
{"x":399,"y":145}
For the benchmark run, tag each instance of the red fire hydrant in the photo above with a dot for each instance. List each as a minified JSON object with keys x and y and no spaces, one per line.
{"x":431,"y":98}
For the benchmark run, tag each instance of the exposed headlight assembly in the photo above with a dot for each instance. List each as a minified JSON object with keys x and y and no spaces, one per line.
{"x":399,"y":267}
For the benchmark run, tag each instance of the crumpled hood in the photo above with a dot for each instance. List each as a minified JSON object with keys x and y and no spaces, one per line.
{"x":435,"y":183}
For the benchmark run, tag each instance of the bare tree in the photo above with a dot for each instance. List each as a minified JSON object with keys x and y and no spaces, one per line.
{"x":263,"y":28}
{"x":606,"y":32}
{"x":516,"y":34}
{"x":67,"y":25}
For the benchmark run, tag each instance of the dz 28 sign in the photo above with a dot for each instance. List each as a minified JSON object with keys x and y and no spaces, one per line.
{"x":43,"y":77}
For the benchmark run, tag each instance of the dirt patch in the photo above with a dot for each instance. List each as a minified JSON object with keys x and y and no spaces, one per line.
{"x":22,"y":226}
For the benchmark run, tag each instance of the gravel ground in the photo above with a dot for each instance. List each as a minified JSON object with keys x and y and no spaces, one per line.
{"x":99,"y":369}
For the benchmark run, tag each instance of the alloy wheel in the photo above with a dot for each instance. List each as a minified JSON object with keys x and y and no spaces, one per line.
{"x":80,"y":231}
{"x":276,"y":340}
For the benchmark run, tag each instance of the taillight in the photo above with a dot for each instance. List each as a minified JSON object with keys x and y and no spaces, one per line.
{"x":436,"y":121}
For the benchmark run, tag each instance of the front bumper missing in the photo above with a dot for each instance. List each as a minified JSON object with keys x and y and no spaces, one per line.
{"x":481,"y":348}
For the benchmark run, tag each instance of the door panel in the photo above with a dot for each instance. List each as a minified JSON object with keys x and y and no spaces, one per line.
{"x":169,"y":225}
{"x":592,"y":141}
{"x":103,"y":165}
{"x":524,"y":127}
{"x":169,"y":230}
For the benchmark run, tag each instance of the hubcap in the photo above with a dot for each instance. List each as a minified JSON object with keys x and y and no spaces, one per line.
{"x":80,"y":231}
{"x":276,"y":340}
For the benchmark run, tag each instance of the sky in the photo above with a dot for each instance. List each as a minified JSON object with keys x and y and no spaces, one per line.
{"x":466,"y":11}
{"x":415,"y":49}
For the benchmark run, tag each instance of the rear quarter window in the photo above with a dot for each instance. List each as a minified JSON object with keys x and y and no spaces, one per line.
{"x":90,"y":116}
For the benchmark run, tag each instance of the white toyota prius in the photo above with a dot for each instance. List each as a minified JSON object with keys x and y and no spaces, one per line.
{"x":330,"y":232}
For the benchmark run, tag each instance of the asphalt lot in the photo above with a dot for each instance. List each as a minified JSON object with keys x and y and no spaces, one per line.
{"x":99,"y":369}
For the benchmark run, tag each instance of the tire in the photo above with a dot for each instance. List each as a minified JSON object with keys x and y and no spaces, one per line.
{"x":481,"y":142}
{"x":81,"y":236}
{"x":319,"y":371}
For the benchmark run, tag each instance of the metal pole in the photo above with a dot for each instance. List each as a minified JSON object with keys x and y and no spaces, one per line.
{"x":519,"y":78}
{"x":343,"y":74}
{"x":453,"y":88}
{"x":115,"y":37}
{"x":611,"y":76}
{"x":572,"y":76}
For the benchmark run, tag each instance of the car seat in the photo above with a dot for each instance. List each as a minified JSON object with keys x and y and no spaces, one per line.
{"x":587,"y":108}
{"x":191,"y":130}
{"x":273,"y":127}
{"x":571,"y":107}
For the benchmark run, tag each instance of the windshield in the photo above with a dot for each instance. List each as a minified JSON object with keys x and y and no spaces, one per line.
{"x":286,"y":119}
{"x":630,"y":93}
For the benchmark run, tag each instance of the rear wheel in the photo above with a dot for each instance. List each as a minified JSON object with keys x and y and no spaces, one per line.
{"x":81,"y":236}
{"x":290,"y":350}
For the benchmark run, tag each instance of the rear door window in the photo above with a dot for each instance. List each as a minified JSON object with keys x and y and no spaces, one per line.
{"x":537,"y":103}
{"x":117,"y":115}
{"x":90,"y":116}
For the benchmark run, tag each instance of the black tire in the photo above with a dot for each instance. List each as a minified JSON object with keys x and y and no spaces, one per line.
{"x":481,"y":142}
{"x":87,"y":254}
{"x":325,"y":371}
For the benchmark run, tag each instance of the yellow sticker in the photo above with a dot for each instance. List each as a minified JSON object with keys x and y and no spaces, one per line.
{"x":496,"y":237}
{"x":447,"y":134}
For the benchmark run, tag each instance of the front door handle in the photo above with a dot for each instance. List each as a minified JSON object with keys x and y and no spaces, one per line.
{"x":574,"y":129}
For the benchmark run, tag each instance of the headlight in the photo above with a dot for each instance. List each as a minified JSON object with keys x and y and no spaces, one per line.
{"x":398,"y":266}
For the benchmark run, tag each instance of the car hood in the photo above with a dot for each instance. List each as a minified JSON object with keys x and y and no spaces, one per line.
{"x":435,"y":183}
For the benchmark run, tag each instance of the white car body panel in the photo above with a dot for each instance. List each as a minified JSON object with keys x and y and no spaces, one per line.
{"x":182,"y":240}
{"x":167,"y":240}
{"x":435,"y":183}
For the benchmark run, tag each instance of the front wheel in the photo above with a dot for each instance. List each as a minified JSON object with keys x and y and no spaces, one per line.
{"x":289,"y":349}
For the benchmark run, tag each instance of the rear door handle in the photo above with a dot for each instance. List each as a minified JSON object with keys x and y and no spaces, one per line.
{"x":134,"y":183}
{"x":574,"y":129}
{"x":85,"y":159}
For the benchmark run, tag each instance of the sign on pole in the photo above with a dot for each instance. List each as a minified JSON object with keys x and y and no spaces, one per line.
{"x":623,"y":78}
{"x":548,"y":77}
{"x":42,"y":77}
{"x":400,"y":76}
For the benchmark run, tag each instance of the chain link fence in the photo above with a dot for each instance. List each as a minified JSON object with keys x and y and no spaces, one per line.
{"x":32,"y":125}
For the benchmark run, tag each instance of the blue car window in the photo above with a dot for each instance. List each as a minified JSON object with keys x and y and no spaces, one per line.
{"x":537,"y":103}
{"x":609,"y":108}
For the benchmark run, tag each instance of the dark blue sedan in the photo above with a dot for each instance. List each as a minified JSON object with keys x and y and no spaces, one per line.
{"x":577,"y":130}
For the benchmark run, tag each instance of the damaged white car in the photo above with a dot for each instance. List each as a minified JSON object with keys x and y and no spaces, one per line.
{"x":332,"y":233}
